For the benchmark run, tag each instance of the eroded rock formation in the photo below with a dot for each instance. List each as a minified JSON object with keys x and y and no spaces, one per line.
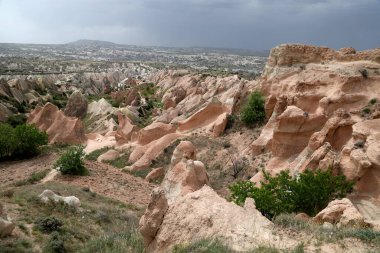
{"x":168,"y":222}
{"x":315,"y":104}
{"x":59,"y":127}
{"x":76,"y":105}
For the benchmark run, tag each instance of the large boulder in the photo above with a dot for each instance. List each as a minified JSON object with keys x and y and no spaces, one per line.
{"x":76,"y":105}
{"x":59,"y":127}
{"x":340,"y":211}
{"x":49,"y":195}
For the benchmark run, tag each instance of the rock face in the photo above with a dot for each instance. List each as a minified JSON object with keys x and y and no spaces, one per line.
{"x":315,"y":104}
{"x":49,"y":195}
{"x":153,"y":132}
{"x":204,"y":117}
{"x":184,"y":94}
{"x":341,"y":212}
{"x":59,"y":127}
{"x":168,"y":222}
{"x":126,"y":130}
{"x":142,"y":156}
{"x":360,"y":157}
{"x":6,"y":226}
{"x":76,"y":105}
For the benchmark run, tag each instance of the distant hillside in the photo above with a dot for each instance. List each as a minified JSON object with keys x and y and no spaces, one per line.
{"x":91,"y":43}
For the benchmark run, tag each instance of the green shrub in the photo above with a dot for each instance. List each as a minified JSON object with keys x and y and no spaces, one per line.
{"x":8,"y":140}
{"x":22,"y":141}
{"x":71,"y":162}
{"x":310,"y":192}
{"x":48,"y":224}
{"x":93,"y":156}
{"x":254,"y":110}
{"x":55,"y":244}
{"x":16,"y":120}
{"x":29,"y":139}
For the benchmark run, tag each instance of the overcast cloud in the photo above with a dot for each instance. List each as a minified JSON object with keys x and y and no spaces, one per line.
{"x":251,"y":24}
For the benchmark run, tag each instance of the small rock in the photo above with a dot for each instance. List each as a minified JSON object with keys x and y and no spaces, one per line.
{"x":327,"y":226}
{"x":302,"y":217}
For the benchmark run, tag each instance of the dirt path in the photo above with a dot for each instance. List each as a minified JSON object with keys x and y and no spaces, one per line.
{"x":109,"y":181}
{"x":11,"y":172}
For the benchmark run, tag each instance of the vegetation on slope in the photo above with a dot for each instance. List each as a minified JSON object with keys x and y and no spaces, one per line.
{"x":21,"y":141}
{"x":72,"y":162}
{"x":254,"y":110}
{"x":309,"y":192}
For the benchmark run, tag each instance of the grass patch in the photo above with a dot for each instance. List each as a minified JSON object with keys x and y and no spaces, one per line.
{"x":139,"y":173}
{"x":33,"y":178}
{"x":203,"y":246}
{"x":93,"y":156}
{"x":16,"y":246}
{"x":78,"y":228}
{"x":216,"y":246}
{"x":366,"y":235}
{"x":129,"y":241}
{"x":120,"y":162}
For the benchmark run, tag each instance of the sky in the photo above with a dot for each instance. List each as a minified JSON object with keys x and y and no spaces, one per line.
{"x":247,"y":24}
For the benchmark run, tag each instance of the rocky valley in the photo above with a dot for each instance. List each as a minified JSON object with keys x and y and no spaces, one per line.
{"x":146,"y":150}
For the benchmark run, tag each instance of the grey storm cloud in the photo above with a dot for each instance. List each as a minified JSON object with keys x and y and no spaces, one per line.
{"x":252,"y":24}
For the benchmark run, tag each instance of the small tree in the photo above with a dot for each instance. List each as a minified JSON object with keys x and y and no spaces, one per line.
{"x":254,"y":110}
{"x":29,"y":138}
{"x":71,"y":162}
{"x":24,"y":140}
{"x":310,"y":192}
{"x":8,"y":141}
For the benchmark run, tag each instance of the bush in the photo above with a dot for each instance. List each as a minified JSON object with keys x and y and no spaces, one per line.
{"x":364,"y":73}
{"x":71,"y":162}
{"x":16,"y":120}
{"x":48,"y":224}
{"x":55,"y":244}
{"x":29,"y":139}
{"x":22,"y":141}
{"x":8,"y":141}
{"x":254,"y":110}
{"x":310,"y":192}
